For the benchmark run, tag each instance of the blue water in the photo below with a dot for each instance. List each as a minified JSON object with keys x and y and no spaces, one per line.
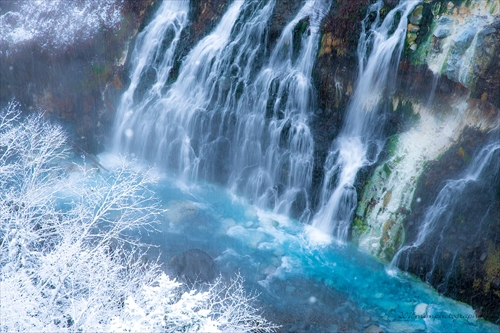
{"x":302,"y":286}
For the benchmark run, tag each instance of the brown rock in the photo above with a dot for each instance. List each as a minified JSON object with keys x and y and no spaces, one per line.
{"x":413,"y":27}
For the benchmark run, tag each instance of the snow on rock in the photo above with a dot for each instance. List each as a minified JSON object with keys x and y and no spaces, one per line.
{"x":56,"y":24}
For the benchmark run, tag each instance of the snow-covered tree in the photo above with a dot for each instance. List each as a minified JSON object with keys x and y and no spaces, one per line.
{"x":68,"y":260}
{"x":57,"y":24}
{"x":166,"y":306}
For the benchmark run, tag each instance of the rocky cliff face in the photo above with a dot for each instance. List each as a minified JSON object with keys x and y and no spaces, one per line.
{"x":334,"y":74}
{"x":445,"y":108}
{"x":66,"y":58}
{"x":459,"y":40}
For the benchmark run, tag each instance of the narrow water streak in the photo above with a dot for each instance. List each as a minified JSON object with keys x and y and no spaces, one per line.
{"x":149,"y":58}
{"x":439,"y":215}
{"x":361,"y":138}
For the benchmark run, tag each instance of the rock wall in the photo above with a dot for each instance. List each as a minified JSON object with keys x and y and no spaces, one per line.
{"x":459,"y":40}
{"x":334,"y":75}
{"x":66,"y":59}
{"x":444,"y":109}
{"x":461,"y":257}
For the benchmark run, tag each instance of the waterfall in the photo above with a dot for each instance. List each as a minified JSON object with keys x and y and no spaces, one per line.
{"x":274,"y":156}
{"x":360,"y":139}
{"x":169,"y":127}
{"x":149,"y":58}
{"x":441,"y":214}
{"x":236,"y":114}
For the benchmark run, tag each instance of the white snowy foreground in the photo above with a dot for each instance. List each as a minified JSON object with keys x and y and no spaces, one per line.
{"x":66,"y":263}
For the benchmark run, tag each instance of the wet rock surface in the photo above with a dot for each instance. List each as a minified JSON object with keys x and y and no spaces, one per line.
{"x":68,"y":81}
{"x":453,"y":257}
{"x":194,"y":266}
{"x":283,"y":13}
{"x":488,"y":80}
{"x":204,"y":15}
{"x":458,"y":39}
{"x":334,"y":75}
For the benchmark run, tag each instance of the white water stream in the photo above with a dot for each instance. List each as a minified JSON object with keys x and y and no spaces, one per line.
{"x":236,"y":114}
{"x":360,"y":140}
{"x":440,"y":214}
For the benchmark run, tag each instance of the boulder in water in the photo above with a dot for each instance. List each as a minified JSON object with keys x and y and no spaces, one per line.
{"x":178,"y":211}
{"x":194,"y":265}
{"x":421,"y":310}
{"x":374,"y":329}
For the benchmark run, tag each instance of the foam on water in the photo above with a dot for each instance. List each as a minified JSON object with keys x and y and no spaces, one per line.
{"x":275,"y":257}
{"x":317,"y":237}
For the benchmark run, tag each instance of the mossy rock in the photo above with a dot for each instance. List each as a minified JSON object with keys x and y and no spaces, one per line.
{"x":359,"y":226}
{"x":417,"y":15}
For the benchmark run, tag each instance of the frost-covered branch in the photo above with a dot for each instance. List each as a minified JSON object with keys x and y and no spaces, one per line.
{"x":58,"y":23}
{"x":167,"y":306}
{"x":58,"y":269}
{"x":233,"y":307}
{"x":68,"y":258}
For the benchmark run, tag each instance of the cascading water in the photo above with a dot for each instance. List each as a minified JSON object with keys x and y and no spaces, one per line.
{"x":360,"y":140}
{"x":230,"y":116}
{"x":235,"y":110}
{"x":274,"y":154}
{"x":441,"y":217}
{"x":148,"y":57}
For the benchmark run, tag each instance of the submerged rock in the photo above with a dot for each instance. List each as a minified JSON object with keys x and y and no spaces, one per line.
{"x":194,"y":265}
{"x":420,"y":310}
{"x":178,"y":211}
{"x":407,"y":327}
{"x":374,"y":329}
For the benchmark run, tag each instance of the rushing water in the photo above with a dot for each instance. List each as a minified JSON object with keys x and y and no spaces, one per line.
{"x":441,"y":215}
{"x":360,"y":140}
{"x":148,"y":56}
{"x":235,"y":114}
{"x":301,"y":286}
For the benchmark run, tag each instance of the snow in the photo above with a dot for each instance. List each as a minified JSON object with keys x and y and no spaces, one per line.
{"x":59,"y":23}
